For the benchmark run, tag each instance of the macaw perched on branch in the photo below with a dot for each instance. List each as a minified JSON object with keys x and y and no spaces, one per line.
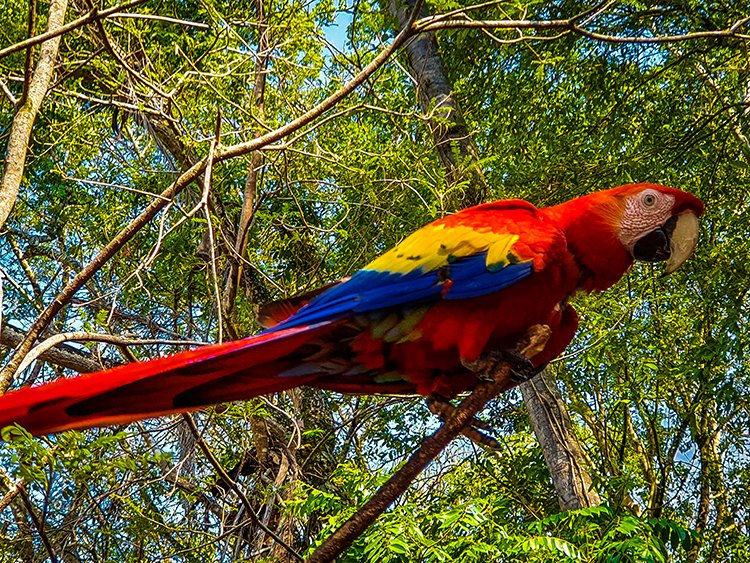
{"x":408,"y":322}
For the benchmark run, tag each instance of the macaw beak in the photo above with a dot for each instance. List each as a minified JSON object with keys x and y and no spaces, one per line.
{"x":673,"y":242}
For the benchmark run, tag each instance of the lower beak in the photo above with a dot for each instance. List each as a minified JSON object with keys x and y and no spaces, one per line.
{"x":673,"y":242}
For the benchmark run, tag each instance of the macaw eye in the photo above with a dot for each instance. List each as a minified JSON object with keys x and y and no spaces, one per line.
{"x":648,"y":199}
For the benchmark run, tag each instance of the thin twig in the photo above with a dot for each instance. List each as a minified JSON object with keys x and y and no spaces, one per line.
{"x":38,"y":524}
{"x":730,"y":32}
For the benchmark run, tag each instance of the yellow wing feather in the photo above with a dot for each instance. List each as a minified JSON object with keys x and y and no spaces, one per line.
{"x":435,"y":246}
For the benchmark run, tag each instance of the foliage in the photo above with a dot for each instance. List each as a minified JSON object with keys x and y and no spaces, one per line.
{"x":656,"y":381}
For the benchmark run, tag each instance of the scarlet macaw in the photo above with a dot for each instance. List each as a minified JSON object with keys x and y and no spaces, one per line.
{"x":408,"y":322}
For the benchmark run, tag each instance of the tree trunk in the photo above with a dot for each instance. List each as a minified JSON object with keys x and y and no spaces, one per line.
{"x":23,"y":122}
{"x":550,"y":420}
{"x":450,"y":133}
{"x":563,"y":454}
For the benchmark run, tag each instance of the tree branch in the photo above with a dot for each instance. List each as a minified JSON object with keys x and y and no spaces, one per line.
{"x":493,"y":381}
{"x":176,"y":187}
{"x":80,"y":336}
{"x":60,"y":355}
{"x":91,"y":16}
{"x":440,"y":21}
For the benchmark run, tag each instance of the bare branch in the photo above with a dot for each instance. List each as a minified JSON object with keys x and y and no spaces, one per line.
{"x":38,"y":524}
{"x":249,"y":196}
{"x":94,"y":337}
{"x":440,"y":21}
{"x":7,"y":92}
{"x":160,"y":19}
{"x":730,"y":32}
{"x":61,"y":355}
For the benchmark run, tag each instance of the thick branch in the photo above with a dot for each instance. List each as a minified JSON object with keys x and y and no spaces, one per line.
{"x":562,"y":452}
{"x":449,"y":130}
{"x":493,"y":382}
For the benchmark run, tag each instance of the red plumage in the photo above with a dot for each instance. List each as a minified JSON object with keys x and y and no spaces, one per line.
{"x":408,"y":322}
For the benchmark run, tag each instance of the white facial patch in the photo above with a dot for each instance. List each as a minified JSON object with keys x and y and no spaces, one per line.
{"x":644,"y":212}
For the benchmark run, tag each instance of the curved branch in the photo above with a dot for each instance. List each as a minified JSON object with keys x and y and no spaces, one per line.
{"x":570,"y":25}
{"x":81,"y":336}
{"x":60,"y":355}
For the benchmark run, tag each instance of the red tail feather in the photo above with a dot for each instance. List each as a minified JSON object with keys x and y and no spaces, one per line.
{"x":186,"y":381}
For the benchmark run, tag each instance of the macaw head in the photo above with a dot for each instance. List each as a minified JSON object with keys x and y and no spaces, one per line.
{"x":658,"y":224}
{"x":608,"y":230}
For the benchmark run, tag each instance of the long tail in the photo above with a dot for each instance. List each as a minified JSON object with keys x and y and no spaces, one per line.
{"x":183,"y":382}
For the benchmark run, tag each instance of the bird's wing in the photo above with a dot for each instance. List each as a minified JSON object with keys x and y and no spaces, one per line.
{"x":472,"y":253}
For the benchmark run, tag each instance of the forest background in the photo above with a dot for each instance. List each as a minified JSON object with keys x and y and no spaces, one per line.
{"x":170,"y":165}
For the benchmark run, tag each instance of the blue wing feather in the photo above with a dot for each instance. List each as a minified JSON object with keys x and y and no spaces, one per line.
{"x":371,"y":290}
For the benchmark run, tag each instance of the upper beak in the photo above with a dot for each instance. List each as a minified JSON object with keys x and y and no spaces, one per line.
{"x":682,"y":241}
{"x":674,"y":242}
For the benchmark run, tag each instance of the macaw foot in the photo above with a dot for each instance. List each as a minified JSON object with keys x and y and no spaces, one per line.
{"x":473,"y":431}
{"x":521,"y":368}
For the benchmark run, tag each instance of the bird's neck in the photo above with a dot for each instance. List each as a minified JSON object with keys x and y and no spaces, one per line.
{"x":590,"y":227}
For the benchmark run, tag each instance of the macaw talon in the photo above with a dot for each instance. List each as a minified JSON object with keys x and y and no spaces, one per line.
{"x":521,"y":369}
{"x":444,"y":410}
